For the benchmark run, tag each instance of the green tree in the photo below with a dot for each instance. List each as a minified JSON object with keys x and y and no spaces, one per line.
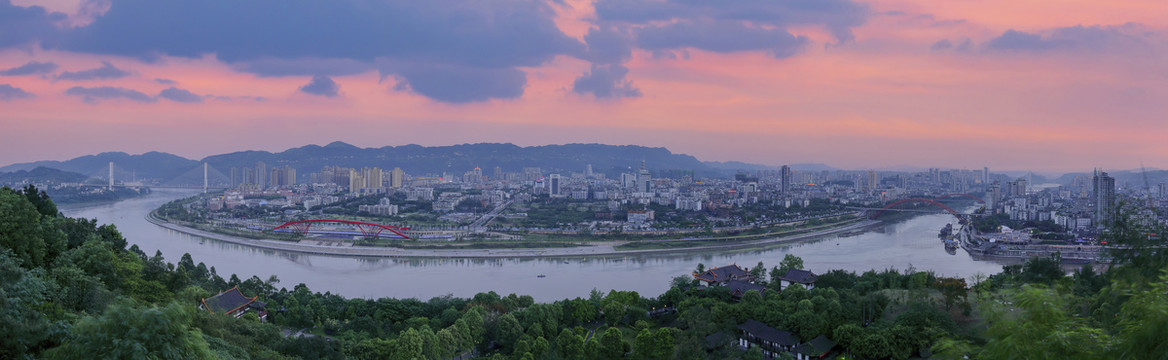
{"x":125,"y":331}
{"x":508,"y":331}
{"x":21,"y":293}
{"x":789,"y":262}
{"x":614,"y":312}
{"x":645,"y":346}
{"x":612,"y":344}
{"x":1039,"y":327}
{"x":33,"y":239}
{"x":570,"y":345}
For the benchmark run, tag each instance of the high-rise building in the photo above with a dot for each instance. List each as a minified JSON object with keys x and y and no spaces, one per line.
{"x":554,"y":184}
{"x":644,"y":180}
{"x":289,"y":176}
{"x":356,"y":181}
{"x":397,"y":177}
{"x":261,"y":174}
{"x":786,"y":179}
{"x":372,"y":178}
{"x":588,"y":170}
{"x":872,"y":180}
{"x":985,"y":175}
{"x":1103,"y":192}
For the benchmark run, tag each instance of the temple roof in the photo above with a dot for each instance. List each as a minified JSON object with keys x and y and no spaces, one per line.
{"x":227,"y":301}
{"x":799,"y":276}
{"x":724,"y":273}
{"x":738,"y":287}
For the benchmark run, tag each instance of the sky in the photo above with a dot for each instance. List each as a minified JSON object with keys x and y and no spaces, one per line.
{"x":1049,"y":86}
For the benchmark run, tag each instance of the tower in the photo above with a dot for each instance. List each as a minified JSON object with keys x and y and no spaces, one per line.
{"x":554,"y":184}
{"x":786,"y":179}
{"x":1103,"y":192}
{"x":204,"y":178}
{"x":111,"y":175}
{"x":644,"y":180}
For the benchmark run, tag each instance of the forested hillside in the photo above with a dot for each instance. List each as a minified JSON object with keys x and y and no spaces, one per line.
{"x":71,"y":288}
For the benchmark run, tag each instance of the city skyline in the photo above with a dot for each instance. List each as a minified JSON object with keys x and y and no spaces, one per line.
{"x":964,"y":85}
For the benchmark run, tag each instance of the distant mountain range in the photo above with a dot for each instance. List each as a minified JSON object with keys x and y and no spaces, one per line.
{"x":156,"y":165}
{"x":41,"y":174}
{"x":416,"y":159}
{"x":455,"y":159}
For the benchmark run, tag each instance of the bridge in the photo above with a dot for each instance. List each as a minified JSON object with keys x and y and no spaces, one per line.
{"x":369,"y":230}
{"x":935,"y":201}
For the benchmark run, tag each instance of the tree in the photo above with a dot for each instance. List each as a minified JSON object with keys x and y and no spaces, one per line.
{"x":614,"y":312}
{"x":21,"y":291}
{"x":124,"y":331}
{"x":508,"y":331}
{"x":570,"y":345}
{"x":645,"y":346}
{"x":612,"y":344}
{"x":35,"y":241}
{"x":789,"y":262}
{"x":1038,"y":327}
{"x":40,"y":200}
{"x":759,"y":272}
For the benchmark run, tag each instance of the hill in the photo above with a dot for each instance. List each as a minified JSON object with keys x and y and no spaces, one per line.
{"x":41,"y":174}
{"x":151,"y":165}
{"x":455,"y":159}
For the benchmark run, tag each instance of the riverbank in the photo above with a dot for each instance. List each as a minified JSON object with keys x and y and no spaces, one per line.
{"x":592,"y":249}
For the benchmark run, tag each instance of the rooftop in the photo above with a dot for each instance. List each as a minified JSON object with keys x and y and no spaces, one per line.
{"x":799,"y":276}
{"x":227,"y":301}
{"x":762,"y":331}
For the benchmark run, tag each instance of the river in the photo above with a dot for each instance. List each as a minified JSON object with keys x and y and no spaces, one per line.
{"x":900,"y":245}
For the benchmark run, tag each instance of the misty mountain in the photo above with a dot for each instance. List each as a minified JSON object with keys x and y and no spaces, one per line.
{"x":41,"y":174}
{"x":154,"y":165}
{"x":456,"y":159}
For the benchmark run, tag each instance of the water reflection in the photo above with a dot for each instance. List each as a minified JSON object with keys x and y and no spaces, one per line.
{"x":909,"y":243}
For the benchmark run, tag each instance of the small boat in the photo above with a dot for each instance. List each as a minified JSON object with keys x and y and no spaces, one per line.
{"x":541,"y":276}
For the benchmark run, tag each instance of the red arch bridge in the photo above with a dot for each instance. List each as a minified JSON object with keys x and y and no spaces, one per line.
{"x":366,"y":229}
{"x":961,"y":216}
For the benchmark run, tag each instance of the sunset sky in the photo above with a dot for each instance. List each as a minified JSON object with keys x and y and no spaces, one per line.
{"x":1050,"y":86}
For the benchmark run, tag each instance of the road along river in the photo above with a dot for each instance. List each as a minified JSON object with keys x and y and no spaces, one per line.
{"x":910,"y":243}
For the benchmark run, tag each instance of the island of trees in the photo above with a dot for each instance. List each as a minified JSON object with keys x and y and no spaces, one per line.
{"x":72,"y":288}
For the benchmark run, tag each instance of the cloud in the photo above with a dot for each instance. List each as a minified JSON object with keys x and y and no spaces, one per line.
{"x":94,"y":95}
{"x":31,"y":68}
{"x":321,"y":86}
{"x":180,"y":95}
{"x":165,"y":81}
{"x":608,"y":46}
{"x":21,"y":26}
{"x":668,"y":28}
{"x":837,"y":16}
{"x":1095,"y":38}
{"x":9,"y":93}
{"x":105,"y":72}
{"x":944,"y":44}
{"x":720,"y":36}
{"x":280,"y":38}
{"x":272,"y":67}
{"x":442,"y":82}
{"x":606,"y":81}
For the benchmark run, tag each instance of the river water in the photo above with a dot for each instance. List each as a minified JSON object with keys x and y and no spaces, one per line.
{"x":900,"y":245}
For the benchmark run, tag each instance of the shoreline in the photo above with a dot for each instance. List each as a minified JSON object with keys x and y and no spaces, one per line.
{"x":597,"y":249}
